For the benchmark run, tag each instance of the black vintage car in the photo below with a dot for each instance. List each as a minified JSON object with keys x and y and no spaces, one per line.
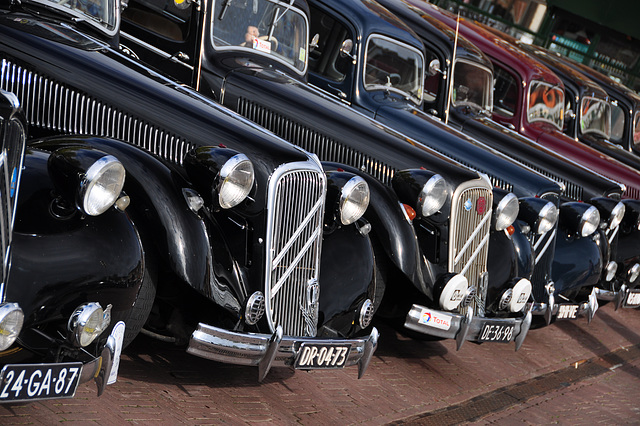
{"x":258,"y":256}
{"x":447,"y":256}
{"x":460,"y":90}
{"x":383,"y":48}
{"x":72,"y":265}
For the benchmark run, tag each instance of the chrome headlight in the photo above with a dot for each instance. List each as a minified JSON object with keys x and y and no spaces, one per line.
{"x":634,"y":272}
{"x":580,"y":219}
{"x":354,"y":200}
{"x":102,"y":185}
{"x":610,"y":210}
{"x":541,"y":215}
{"x":433,"y":196}
{"x":236,"y":181}
{"x":11,"y":320}
{"x":87,"y":322}
{"x":506,"y":212}
{"x":610,"y":270}
{"x":424,"y":191}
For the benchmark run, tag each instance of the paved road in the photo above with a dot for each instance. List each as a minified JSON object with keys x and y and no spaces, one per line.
{"x":568,"y":373}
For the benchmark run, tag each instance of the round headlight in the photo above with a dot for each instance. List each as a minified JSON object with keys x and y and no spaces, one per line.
{"x":589,"y":221}
{"x":236,"y":181}
{"x":88,"y":322}
{"x":432,"y":196}
{"x":11,"y":320}
{"x":102,"y":185}
{"x":616,"y":216}
{"x":507,"y":211}
{"x":548,"y":218}
{"x":634,"y":272}
{"x":611,"y":269}
{"x":354,"y":200}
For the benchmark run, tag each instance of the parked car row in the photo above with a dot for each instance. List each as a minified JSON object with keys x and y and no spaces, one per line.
{"x":255,"y":180}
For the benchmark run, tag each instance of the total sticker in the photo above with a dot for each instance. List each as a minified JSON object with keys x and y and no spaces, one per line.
{"x":262,"y":45}
{"x":433,"y":319}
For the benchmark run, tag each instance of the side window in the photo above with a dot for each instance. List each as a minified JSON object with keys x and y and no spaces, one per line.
{"x":325,"y":58}
{"x":431,"y":82}
{"x":166,"y":18}
{"x":505,"y":93}
{"x":617,"y":123}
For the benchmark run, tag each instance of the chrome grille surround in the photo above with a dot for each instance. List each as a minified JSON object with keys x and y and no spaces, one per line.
{"x":11,"y":161}
{"x":293,"y":242}
{"x":55,"y":106}
{"x":469,"y":237}
{"x":543,"y":251}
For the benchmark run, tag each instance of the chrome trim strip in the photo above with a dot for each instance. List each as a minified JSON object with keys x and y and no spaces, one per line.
{"x":546,"y":246}
{"x":155,"y":50}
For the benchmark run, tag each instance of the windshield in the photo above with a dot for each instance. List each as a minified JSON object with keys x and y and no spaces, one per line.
{"x":102,"y":14}
{"x":265,"y":27}
{"x":546,"y":104}
{"x":617,"y":123}
{"x":472,"y":85}
{"x":636,"y":130}
{"x":390,"y":65}
{"x":595,"y":116}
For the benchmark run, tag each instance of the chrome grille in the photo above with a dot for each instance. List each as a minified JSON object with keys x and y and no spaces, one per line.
{"x":294,"y":237}
{"x":469,"y":236}
{"x":326,"y":148}
{"x":11,"y":159}
{"x":55,"y":106}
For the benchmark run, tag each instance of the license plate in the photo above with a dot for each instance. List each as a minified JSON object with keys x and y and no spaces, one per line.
{"x":633,"y":299}
{"x":501,"y":333}
{"x":313,"y":356}
{"x":568,"y":311}
{"x":26,"y":382}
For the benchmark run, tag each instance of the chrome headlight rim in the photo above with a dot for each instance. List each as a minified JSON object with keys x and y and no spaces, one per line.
{"x":610,"y":270}
{"x":231,"y":189}
{"x":354,"y":200}
{"x":432,"y":196}
{"x":548,"y":217}
{"x":616,"y":216}
{"x":589,"y":221}
{"x":634,"y":273}
{"x":11,"y":318}
{"x":506,"y":211}
{"x":96,"y":196}
{"x":87,"y":322}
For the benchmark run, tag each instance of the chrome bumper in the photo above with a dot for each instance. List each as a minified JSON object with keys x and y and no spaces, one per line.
{"x":551,"y":308}
{"x":99,"y":369}
{"x":463,"y":327}
{"x":267,"y":351}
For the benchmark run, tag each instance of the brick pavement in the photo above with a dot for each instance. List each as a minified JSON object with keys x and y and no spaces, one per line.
{"x":160,"y":384}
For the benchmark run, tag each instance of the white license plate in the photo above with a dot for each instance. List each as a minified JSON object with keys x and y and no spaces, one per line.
{"x":568,"y":311}
{"x":501,"y":333}
{"x":315,"y":356}
{"x":26,"y":382}
{"x":633,"y":299}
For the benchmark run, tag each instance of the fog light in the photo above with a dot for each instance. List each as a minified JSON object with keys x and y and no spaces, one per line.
{"x":366,"y":313}
{"x":612,"y":268}
{"x":255,"y":308}
{"x":521,"y":294}
{"x":88,"y":322}
{"x":634,"y":272}
{"x":505,"y":300}
{"x":11,"y":320}
{"x":453,"y":292}
{"x":469,"y":296}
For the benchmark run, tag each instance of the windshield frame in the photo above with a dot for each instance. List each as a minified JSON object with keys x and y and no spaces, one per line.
{"x":489,"y":92}
{"x":598,"y":132}
{"x":85,"y":17}
{"x":376,"y":87}
{"x":558,"y":125}
{"x":249,"y":49}
{"x":635,"y":142}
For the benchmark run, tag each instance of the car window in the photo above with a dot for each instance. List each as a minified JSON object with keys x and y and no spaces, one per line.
{"x":617,"y":123}
{"x":546,"y":104}
{"x":471,"y":85}
{"x":324,"y":57}
{"x":595,"y":116}
{"x":636,"y":130}
{"x":166,"y":18}
{"x":505,"y":93}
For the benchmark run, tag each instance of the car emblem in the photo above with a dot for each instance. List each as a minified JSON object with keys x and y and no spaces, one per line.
{"x":468,"y":204}
{"x":310,"y":311}
{"x":14,"y":181}
{"x":481,"y":206}
{"x":426,"y":317}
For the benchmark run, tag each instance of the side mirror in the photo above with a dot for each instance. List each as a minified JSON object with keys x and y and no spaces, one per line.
{"x":434,"y":67}
{"x":346,"y":48}
{"x":314,"y":42}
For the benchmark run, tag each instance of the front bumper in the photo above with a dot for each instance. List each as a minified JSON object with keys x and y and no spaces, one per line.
{"x":267,"y":351}
{"x":625,"y":297}
{"x":463,"y":327}
{"x":551,"y":309}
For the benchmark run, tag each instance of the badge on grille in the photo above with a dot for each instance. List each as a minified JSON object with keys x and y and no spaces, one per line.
{"x":468,"y":204}
{"x":481,"y":206}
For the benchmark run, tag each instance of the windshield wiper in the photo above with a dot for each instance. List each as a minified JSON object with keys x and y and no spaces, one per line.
{"x":225,"y":6}
{"x":277,"y":16}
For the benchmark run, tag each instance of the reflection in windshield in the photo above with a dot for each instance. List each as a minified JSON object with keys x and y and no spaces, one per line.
{"x":390,"y":65}
{"x":471,"y":85}
{"x":99,"y":13}
{"x":636,"y":130}
{"x":265,"y":27}
{"x":545,"y":104}
{"x":595,"y":116}
{"x":617,"y":123}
